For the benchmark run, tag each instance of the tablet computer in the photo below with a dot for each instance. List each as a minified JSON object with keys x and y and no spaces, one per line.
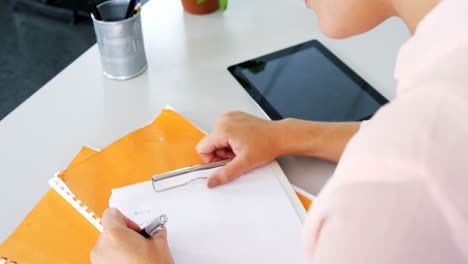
{"x":308,"y":82}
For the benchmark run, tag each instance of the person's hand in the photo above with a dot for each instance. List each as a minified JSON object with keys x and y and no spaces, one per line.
{"x":247,"y":140}
{"x":121,"y":243}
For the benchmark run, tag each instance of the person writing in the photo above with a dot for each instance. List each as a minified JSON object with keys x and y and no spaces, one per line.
{"x":398,"y":194}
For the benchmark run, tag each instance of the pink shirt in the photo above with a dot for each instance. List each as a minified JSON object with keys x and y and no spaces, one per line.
{"x":400,"y":191}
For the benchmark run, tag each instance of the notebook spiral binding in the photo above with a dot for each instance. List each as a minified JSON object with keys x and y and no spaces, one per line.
{"x":4,"y":260}
{"x":61,"y":188}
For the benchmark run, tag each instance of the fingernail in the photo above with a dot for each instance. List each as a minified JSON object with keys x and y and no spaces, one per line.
{"x":212,"y":182}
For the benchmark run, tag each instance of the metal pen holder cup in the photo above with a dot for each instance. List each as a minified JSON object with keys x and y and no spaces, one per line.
{"x":120,"y":41}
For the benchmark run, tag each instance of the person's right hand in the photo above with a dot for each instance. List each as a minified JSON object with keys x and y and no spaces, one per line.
{"x":247,"y":140}
{"x":120,"y":243}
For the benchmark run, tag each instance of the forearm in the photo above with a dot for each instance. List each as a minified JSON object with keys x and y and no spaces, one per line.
{"x":325,"y":140}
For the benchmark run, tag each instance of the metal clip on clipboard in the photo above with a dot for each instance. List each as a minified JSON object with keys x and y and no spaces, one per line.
{"x":182,"y":171}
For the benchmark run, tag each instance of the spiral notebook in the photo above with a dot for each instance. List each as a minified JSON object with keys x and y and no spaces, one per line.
{"x":56,"y":231}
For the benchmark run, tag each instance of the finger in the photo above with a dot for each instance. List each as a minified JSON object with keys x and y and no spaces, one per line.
{"x":209,"y":144}
{"x":216,"y":158}
{"x":225,"y":153}
{"x":207,"y":157}
{"x":162,"y":235}
{"x":112,"y":218}
{"x":130,"y":224}
{"x":228,"y":172}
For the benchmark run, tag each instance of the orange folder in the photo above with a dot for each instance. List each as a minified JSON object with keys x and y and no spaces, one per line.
{"x":53,"y":232}
{"x":306,"y":202}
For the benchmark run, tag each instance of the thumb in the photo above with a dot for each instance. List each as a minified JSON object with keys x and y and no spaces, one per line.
{"x":228,"y":172}
{"x":161,"y":236}
{"x":160,"y":240}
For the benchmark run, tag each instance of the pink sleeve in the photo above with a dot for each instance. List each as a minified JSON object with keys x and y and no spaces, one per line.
{"x":377,"y":222}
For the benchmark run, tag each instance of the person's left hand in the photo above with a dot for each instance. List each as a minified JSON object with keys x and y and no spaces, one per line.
{"x":121,"y":243}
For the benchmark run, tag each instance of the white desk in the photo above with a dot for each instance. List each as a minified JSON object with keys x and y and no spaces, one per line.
{"x":187,"y":57}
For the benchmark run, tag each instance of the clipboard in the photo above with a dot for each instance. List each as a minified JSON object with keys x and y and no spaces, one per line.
{"x":300,"y":200}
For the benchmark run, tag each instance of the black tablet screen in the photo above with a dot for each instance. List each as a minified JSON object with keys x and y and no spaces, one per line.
{"x":306,"y":84}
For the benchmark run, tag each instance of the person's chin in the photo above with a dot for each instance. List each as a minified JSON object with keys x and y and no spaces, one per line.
{"x":336,"y":35}
{"x":334,"y":32}
{"x":340,"y":31}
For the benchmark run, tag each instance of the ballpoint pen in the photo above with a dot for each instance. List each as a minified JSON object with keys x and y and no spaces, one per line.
{"x":131,"y":6}
{"x":154,"y":227}
{"x":137,"y":9}
{"x":95,"y":11}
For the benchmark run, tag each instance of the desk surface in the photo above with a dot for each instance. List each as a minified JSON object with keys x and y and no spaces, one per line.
{"x":187,"y":59}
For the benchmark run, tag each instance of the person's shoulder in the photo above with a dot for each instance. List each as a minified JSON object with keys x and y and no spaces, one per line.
{"x":418,"y":134}
{"x":438,"y":51}
{"x":418,"y":124}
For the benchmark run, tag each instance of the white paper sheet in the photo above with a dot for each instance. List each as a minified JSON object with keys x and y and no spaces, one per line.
{"x":247,"y":221}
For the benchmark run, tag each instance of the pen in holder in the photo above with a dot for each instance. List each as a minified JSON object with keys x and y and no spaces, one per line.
{"x":120,"y":40}
{"x":174,"y":179}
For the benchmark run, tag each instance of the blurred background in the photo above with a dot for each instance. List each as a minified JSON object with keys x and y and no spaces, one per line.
{"x":39,"y":39}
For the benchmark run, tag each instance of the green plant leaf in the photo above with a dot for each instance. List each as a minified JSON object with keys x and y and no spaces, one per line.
{"x":223,"y":4}
{"x":200,"y":1}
